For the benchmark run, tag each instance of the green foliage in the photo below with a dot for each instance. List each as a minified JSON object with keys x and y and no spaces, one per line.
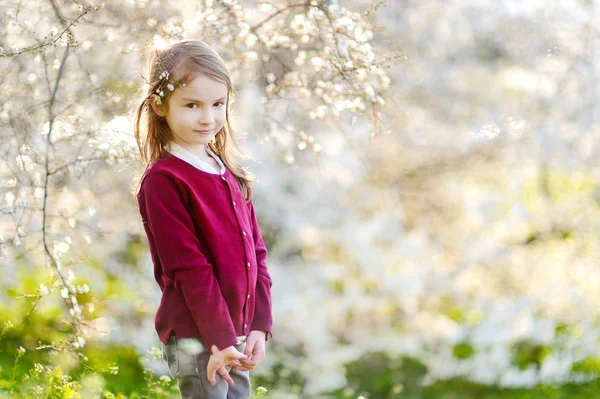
{"x":460,"y":389}
{"x":463,"y":350}
{"x":114,"y":372}
{"x":526,"y":353}
{"x":281,"y":376}
{"x":30,"y":373}
{"x":450,"y":309}
{"x":589,"y":365}
{"x":379,"y":376}
{"x":31,"y":366}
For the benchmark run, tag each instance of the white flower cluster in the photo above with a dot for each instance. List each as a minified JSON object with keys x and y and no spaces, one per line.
{"x":79,"y":343}
{"x":165,"y":380}
{"x":159,"y":93}
{"x":342,"y":75}
{"x":44,"y":290}
{"x":155,"y":353}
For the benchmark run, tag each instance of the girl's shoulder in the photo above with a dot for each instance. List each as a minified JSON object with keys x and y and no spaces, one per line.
{"x":165,"y":166}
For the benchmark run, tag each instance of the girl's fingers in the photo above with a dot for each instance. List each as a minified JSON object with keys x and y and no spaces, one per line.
{"x":223,"y":373}
{"x":247,"y":364}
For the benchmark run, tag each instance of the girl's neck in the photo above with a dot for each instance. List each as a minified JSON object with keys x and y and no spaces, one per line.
{"x":198,"y":150}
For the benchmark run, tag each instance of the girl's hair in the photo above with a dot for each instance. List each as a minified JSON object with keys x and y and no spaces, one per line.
{"x":183,"y":60}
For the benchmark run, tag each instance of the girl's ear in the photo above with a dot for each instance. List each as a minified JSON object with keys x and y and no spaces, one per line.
{"x":159,"y":109}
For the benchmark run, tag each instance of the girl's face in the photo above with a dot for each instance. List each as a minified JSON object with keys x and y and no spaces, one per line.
{"x":197,"y":111}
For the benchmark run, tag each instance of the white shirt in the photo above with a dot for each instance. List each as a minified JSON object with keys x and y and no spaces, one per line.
{"x":193,"y":160}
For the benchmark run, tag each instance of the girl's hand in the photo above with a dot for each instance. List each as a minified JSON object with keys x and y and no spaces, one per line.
{"x":219,"y":360}
{"x":255,"y":350}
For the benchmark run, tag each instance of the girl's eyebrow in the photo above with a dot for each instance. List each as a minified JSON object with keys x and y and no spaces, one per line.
{"x":198,"y":101}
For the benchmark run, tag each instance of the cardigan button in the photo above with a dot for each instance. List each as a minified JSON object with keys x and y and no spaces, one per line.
{"x":243,"y":232}
{"x":223,"y":177}
{"x":248,"y":264}
{"x":248,"y":296}
{"x":233,"y":203}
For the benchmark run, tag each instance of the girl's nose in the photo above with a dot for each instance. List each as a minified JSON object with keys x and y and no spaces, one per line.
{"x":206,"y":119}
{"x":204,"y":123}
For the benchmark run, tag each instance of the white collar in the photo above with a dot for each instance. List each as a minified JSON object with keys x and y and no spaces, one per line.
{"x":193,"y":160}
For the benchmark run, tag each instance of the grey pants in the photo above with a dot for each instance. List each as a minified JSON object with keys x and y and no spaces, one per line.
{"x":188,"y":359}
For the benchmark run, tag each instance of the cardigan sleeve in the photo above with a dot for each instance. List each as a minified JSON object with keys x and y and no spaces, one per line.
{"x":180,"y":253}
{"x":263,"y":317}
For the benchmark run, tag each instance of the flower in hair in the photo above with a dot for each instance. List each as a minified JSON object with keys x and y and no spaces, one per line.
{"x":164,"y":83}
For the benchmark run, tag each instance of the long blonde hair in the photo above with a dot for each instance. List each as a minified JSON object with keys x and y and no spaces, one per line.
{"x":183,"y":60}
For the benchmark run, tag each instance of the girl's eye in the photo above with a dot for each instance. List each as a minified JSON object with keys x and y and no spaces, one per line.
{"x":220,"y":102}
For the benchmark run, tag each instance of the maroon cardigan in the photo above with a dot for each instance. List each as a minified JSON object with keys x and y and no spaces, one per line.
{"x":208,"y":253}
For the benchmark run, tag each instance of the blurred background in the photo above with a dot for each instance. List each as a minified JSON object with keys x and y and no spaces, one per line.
{"x":428,"y":192}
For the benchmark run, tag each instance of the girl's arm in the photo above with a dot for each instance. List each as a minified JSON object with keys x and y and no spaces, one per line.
{"x":167,"y":220}
{"x":263,"y":315}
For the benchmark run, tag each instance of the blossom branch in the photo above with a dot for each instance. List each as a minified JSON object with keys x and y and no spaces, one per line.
{"x":49,"y":42}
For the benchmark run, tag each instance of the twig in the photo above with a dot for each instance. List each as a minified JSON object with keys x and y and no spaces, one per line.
{"x":48,"y":43}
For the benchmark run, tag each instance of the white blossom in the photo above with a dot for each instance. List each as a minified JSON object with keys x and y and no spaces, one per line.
{"x":44,"y":290}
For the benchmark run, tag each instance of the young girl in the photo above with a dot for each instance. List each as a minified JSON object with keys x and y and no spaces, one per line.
{"x":195,"y":203}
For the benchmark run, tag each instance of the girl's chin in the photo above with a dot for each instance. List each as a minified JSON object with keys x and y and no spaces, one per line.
{"x":201,"y":138}
{"x":209,"y":135}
